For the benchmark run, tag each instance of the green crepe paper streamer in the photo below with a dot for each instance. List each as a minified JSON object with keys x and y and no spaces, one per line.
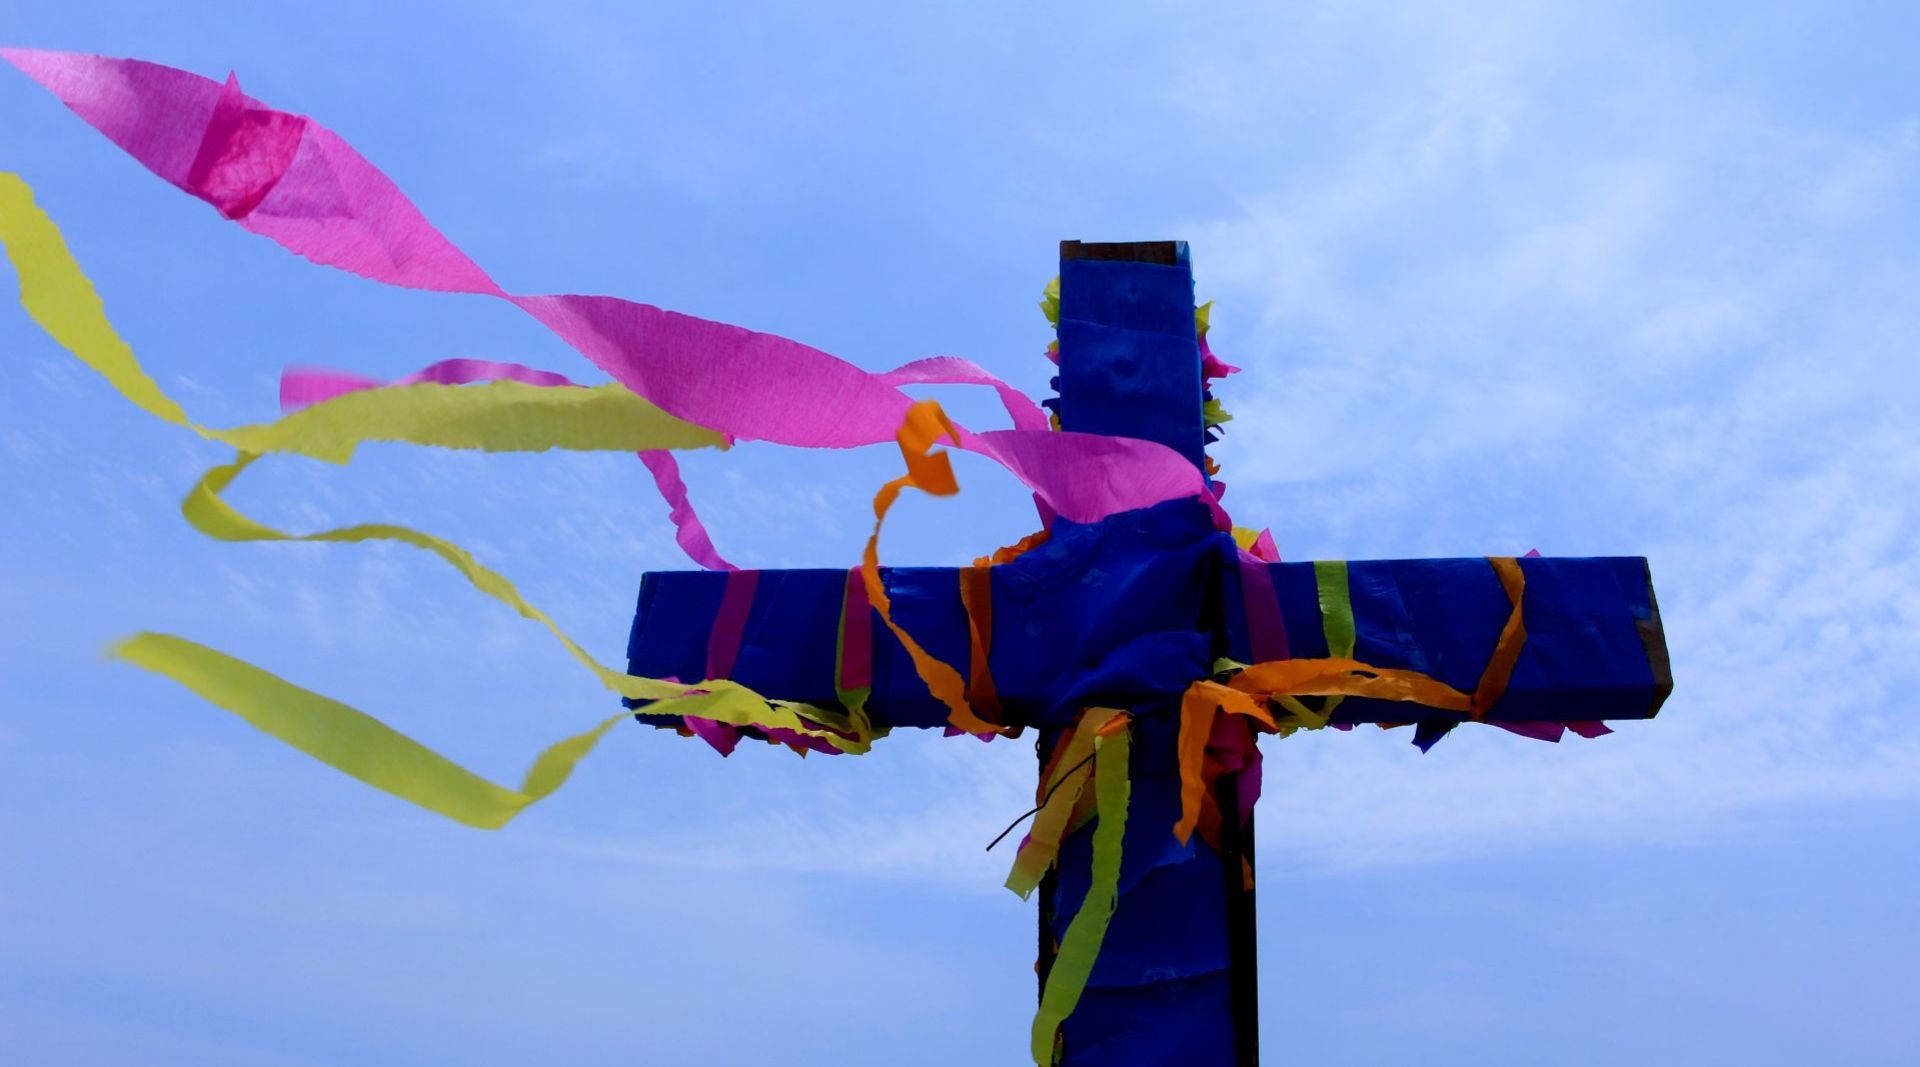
{"x":1336,"y":607}
{"x":1073,"y":966}
{"x":1336,"y":615}
{"x":1212,"y":414}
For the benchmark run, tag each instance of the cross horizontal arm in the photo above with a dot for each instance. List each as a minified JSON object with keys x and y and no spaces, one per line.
{"x":1130,"y":611}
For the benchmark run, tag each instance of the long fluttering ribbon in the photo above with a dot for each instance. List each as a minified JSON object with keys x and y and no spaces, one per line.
{"x":351,"y":740}
{"x":287,"y":178}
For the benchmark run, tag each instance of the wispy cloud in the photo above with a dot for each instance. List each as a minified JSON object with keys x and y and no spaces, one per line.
{"x":1510,"y":313}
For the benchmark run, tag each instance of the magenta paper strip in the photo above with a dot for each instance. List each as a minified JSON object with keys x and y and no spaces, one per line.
{"x":856,"y":636}
{"x":297,"y":183}
{"x":730,"y":623}
{"x":1266,"y":629}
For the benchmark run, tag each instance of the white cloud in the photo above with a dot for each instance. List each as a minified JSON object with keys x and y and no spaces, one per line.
{"x":1645,"y":313}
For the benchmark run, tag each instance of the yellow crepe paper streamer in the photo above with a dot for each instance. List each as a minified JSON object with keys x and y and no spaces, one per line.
{"x":1059,"y":794}
{"x":350,"y":740}
{"x":1073,"y":965}
{"x":718,"y":699}
{"x":499,"y":416}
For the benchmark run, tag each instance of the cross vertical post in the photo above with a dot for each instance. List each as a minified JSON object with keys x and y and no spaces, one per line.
{"x":1130,"y":366}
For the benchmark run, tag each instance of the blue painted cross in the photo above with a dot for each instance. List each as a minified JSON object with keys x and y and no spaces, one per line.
{"x":1126,"y":613}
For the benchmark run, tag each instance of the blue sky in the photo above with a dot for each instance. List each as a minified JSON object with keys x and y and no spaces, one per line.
{"x":1638,"y":281}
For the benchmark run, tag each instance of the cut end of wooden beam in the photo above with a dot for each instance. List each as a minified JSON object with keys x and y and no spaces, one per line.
{"x":1164,"y":253}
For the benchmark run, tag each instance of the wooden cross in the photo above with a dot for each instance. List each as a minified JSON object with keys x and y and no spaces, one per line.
{"x":1127,"y":612}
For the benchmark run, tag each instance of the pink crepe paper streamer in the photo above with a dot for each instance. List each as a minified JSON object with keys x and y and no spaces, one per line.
{"x":730,"y":623}
{"x":1263,"y":547}
{"x":304,"y":386}
{"x":953,"y":370}
{"x":1266,"y":628}
{"x":800,"y":741}
{"x":1539,"y":731}
{"x":293,"y":181}
{"x":856,"y":637}
{"x":723,"y":736}
{"x":1590,"y":729}
{"x":688,"y":531}
{"x":1233,"y":745}
{"x":723,"y":649}
{"x":1212,"y":366}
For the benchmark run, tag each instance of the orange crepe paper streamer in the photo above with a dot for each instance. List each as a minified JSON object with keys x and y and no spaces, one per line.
{"x":932,"y":473}
{"x":1198,"y":709}
{"x":1196,"y":726}
{"x":1014,"y":551}
{"x":1493,"y":681}
{"x":976,"y":596}
{"x":1281,"y":681}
